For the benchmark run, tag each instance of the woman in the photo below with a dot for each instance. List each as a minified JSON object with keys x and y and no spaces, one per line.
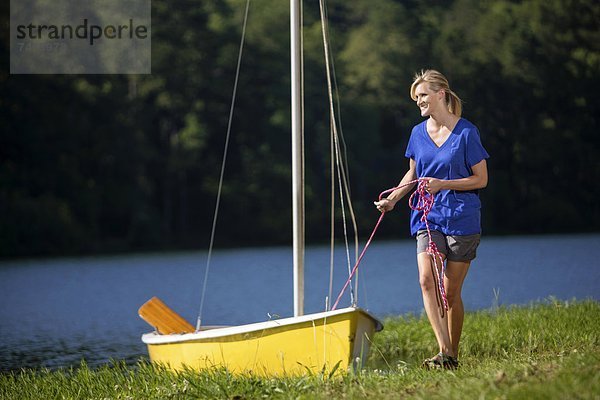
{"x":446,"y":151}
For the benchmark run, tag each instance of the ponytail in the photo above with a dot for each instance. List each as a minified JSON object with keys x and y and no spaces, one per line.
{"x":454,"y":103}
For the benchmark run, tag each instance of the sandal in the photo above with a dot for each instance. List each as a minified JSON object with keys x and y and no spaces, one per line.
{"x":440,"y":361}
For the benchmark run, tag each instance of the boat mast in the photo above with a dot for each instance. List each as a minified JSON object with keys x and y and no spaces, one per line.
{"x":297,"y":155}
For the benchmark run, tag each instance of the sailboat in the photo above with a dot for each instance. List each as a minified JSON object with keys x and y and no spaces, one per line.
{"x":332,"y":341}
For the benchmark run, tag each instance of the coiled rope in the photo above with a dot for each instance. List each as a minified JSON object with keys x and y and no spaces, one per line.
{"x":424,"y":203}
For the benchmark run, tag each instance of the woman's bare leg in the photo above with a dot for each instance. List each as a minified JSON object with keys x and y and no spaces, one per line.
{"x":429,"y":289}
{"x":456,"y":272}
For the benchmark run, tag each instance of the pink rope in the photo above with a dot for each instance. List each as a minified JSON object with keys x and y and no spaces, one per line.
{"x":424,"y":203}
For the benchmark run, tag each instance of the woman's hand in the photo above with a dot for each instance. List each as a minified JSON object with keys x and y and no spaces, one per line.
{"x":434,"y":185}
{"x":405,"y":186}
{"x":478,"y":180}
{"x":385,"y":205}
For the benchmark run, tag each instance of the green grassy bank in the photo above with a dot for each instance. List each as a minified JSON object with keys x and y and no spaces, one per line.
{"x":548,"y":350}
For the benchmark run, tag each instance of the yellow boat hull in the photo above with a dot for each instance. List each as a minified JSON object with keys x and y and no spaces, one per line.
{"x":291,"y":346}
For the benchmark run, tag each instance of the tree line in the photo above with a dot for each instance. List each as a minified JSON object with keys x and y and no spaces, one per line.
{"x":97,"y":163}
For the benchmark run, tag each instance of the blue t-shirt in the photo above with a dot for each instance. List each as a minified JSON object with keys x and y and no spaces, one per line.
{"x":454,"y":212}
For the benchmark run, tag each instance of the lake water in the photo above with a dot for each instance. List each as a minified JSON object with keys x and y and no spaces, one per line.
{"x":55,"y":312}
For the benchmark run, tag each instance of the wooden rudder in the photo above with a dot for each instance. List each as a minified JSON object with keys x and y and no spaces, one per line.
{"x":164,"y":319}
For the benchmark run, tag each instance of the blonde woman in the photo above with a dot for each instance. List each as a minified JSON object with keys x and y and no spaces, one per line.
{"x":446,"y":151}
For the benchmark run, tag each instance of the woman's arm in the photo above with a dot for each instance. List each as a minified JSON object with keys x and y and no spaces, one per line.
{"x":388,"y":203}
{"x":478,"y":180}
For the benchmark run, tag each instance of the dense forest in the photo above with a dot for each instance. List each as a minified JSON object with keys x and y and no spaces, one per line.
{"x":105,"y":163}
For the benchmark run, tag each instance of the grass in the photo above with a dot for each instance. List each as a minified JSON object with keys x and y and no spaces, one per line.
{"x":548,"y":350}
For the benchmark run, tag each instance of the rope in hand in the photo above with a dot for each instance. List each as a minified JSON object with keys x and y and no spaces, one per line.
{"x":424,"y":203}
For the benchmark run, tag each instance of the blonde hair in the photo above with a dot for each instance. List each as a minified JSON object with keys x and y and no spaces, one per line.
{"x":437,"y":81}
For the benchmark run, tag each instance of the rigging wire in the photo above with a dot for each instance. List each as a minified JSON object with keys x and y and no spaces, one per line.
{"x":225,"y":150}
{"x":346,"y":169}
{"x":344,"y":147}
{"x":332,"y":152}
{"x":340,"y":162}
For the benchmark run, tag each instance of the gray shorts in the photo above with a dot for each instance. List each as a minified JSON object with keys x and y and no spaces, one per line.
{"x":454,"y":247}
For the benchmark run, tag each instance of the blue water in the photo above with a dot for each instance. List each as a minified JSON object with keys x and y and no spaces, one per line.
{"x":54,"y":313}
